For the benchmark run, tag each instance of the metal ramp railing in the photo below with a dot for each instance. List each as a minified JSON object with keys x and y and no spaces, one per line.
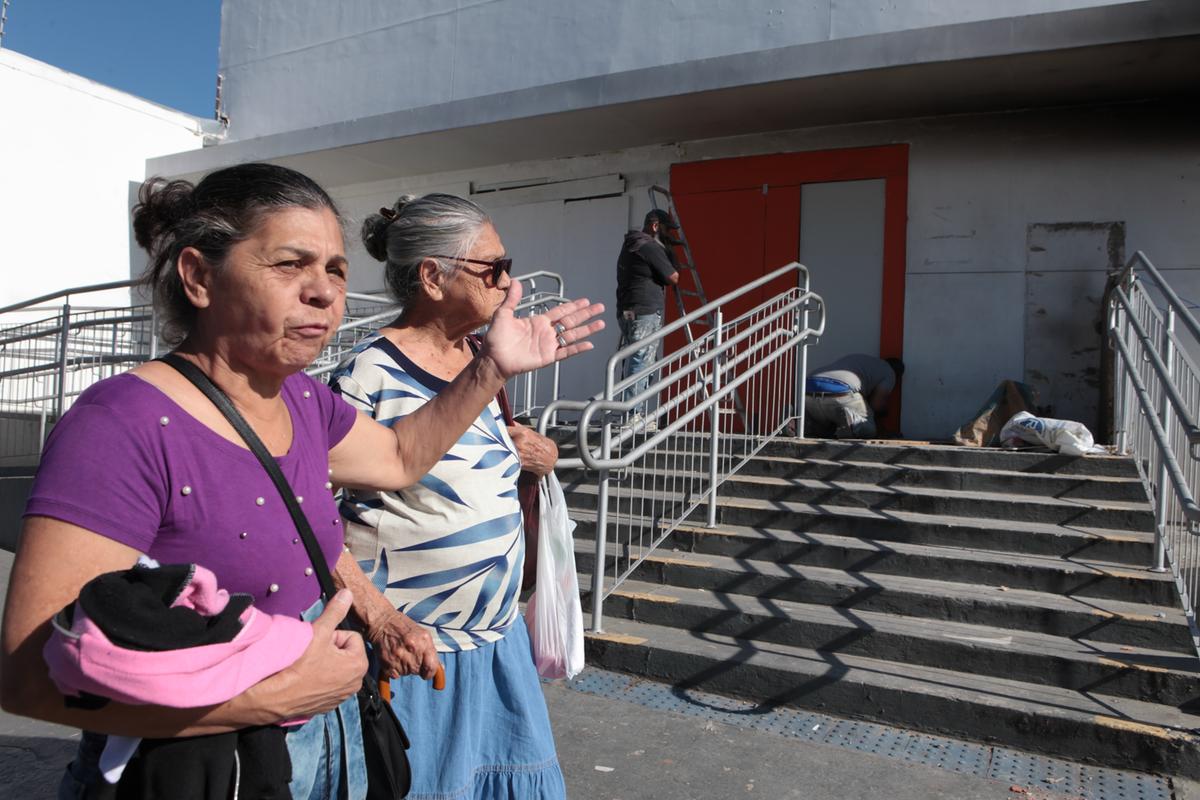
{"x":652,"y":474}
{"x":52,"y":350}
{"x":1156,"y":340}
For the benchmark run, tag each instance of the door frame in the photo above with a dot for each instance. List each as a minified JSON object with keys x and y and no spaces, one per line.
{"x":889,"y":162}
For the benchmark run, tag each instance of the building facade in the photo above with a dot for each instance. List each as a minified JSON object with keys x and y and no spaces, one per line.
{"x":74,"y":152}
{"x":960,"y":178}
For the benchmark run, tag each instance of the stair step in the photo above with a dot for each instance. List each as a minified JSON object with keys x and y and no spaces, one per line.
{"x":1139,"y":673}
{"x":1054,"y":574}
{"x":669,"y":484}
{"x":1116,"y":731}
{"x":1133,"y":624}
{"x":1032,"y":461}
{"x":1095,"y":544}
{"x":1073,"y":487}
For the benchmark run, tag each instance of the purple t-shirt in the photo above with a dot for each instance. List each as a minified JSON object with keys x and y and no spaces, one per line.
{"x":128,"y":463}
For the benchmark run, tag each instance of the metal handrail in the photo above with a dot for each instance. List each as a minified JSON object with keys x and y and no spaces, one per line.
{"x":129,"y":283}
{"x":1169,"y":388}
{"x":616,"y":358}
{"x":1156,"y":391}
{"x":369,"y":323}
{"x":543,"y":273}
{"x":605,"y":401}
{"x":590,"y":409}
{"x":55,"y":357}
{"x":1190,"y":508}
{"x":751,"y":351}
{"x":64,"y":293}
{"x":1184,"y":314}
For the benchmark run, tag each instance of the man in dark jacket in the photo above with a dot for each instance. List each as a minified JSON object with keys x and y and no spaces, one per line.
{"x":645,"y":268}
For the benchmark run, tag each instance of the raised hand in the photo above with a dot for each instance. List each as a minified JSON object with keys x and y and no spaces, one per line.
{"x":519,"y":345}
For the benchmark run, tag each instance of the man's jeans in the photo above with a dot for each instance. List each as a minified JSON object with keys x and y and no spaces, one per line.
{"x":847,"y":415}
{"x":635,"y":330}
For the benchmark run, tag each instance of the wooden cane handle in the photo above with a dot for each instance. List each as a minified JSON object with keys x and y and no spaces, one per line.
{"x":439,"y":678}
{"x":385,"y":690}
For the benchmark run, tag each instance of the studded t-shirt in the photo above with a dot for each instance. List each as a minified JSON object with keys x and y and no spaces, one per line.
{"x":129,"y":464}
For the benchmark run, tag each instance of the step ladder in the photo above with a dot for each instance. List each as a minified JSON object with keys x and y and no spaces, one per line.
{"x":687,"y":270}
{"x":686,"y":267}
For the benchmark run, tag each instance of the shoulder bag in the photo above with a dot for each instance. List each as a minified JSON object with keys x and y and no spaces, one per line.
{"x":384,"y":740}
{"x":527,"y":496}
{"x":527,"y":489}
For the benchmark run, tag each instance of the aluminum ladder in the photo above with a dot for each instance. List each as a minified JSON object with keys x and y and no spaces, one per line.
{"x":687,"y":267}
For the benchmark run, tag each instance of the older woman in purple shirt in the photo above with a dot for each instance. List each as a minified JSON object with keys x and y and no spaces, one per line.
{"x":248,"y":268}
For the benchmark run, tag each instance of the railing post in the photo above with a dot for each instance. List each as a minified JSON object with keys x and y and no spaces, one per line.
{"x":42,"y":430}
{"x":601,"y":536}
{"x":802,"y":371}
{"x":601,"y":514}
{"x":530,"y":388}
{"x":1121,"y":400}
{"x":1127,"y":394}
{"x":802,"y":376}
{"x":554,"y":393}
{"x":1161,"y":504}
{"x":64,"y":335}
{"x":153,"y":331}
{"x":112,"y":367}
{"x":714,"y":420}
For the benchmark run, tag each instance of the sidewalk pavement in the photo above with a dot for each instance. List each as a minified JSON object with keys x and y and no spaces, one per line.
{"x":615,"y":750}
{"x":612,"y":749}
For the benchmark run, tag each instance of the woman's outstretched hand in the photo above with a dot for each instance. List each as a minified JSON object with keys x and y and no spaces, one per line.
{"x":522,"y":344}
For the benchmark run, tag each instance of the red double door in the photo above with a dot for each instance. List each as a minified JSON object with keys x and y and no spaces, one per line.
{"x":743,"y":218}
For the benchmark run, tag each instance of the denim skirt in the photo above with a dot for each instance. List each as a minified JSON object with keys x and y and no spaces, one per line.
{"x":486,"y":736}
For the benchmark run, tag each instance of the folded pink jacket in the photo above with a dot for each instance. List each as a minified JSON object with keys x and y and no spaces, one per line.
{"x":83,"y":657}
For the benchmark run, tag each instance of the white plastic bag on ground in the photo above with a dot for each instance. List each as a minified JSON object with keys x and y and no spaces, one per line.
{"x":1066,"y":436}
{"x":554,"y":614}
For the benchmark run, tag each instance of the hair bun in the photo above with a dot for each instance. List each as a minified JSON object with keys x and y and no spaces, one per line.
{"x":375,"y":227}
{"x":374,"y":235}
{"x":162,"y":205}
{"x":401,"y":203}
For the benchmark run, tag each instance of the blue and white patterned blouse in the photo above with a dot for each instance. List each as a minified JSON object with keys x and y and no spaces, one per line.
{"x":447,"y":551}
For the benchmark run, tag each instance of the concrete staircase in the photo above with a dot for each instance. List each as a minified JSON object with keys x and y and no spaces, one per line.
{"x":990,"y":595}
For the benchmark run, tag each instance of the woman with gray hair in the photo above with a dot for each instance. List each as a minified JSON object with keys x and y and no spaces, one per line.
{"x":249,"y":267}
{"x":448,"y":550}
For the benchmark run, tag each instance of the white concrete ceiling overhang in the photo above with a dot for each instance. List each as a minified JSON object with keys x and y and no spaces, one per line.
{"x":1134,"y":51}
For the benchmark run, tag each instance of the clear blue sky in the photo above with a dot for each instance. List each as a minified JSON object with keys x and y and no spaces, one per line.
{"x":162,"y":50}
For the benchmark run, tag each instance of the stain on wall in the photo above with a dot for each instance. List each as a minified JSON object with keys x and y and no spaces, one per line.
{"x":1067,"y":267}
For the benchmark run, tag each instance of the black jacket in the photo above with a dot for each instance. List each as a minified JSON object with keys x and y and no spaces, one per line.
{"x":643,"y":269}
{"x":135,"y":609}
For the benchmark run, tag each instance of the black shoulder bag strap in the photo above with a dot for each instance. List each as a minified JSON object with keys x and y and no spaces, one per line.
{"x":384,"y":738}
{"x":225,"y":406}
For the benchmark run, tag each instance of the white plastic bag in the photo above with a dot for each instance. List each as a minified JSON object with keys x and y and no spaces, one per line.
{"x":1067,"y":437}
{"x":554,"y":614}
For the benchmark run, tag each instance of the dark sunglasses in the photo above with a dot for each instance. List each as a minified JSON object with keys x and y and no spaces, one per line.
{"x":501,"y":266}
